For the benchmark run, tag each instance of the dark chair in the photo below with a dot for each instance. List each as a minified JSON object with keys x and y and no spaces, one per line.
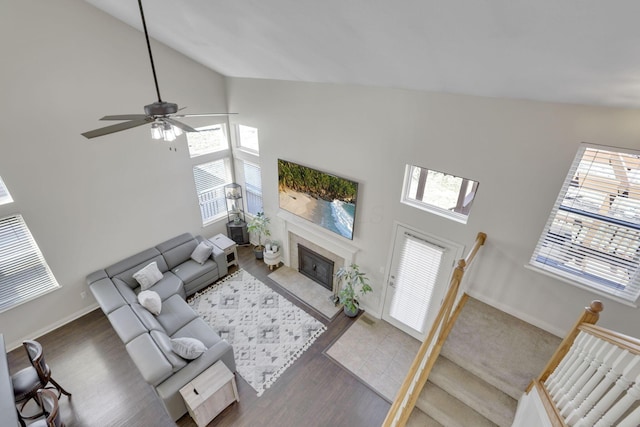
{"x":49,"y":404}
{"x":28,"y":381}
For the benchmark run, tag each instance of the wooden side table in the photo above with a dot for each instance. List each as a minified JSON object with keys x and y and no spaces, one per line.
{"x":228,"y":246}
{"x":210,"y":393}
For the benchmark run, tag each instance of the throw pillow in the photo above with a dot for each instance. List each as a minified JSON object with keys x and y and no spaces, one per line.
{"x":151,"y":301}
{"x":188,"y":348}
{"x":201,"y":252}
{"x":148,"y":276}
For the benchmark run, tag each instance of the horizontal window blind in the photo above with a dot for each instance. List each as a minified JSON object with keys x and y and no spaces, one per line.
{"x":24,"y":274}
{"x":593,"y":233}
{"x":418,"y":266}
{"x":210,"y":179}
{"x":253,"y":183}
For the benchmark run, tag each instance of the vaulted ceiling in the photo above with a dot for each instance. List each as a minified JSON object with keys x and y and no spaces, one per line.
{"x":576,"y":51}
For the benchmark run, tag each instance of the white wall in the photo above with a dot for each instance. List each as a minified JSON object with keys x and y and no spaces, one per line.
{"x":519,"y":151}
{"x":89,"y":202}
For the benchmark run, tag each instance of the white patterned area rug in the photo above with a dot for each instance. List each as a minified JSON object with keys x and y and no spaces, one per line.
{"x":267,"y":331}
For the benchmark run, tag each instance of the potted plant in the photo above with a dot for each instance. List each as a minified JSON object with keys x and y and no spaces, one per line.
{"x":354,"y":284}
{"x":259,"y":225}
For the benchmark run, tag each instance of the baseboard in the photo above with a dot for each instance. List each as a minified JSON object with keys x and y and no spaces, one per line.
{"x":525,"y":318}
{"x":49,"y":328}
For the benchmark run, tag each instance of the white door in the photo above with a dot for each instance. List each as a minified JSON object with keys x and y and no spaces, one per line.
{"x":419,"y":275}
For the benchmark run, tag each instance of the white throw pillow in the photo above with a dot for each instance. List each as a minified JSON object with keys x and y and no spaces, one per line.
{"x":148,"y":276}
{"x":151,"y":301}
{"x":188,"y":348}
{"x":201,"y":252}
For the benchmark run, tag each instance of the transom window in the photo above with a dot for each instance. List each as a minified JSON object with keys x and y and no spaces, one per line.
{"x":592,"y":236}
{"x":5,"y":197}
{"x":24,"y":274}
{"x":438,"y":192}
{"x":248,"y":138}
{"x":207,"y":140}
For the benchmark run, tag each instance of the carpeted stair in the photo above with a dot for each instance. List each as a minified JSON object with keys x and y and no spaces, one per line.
{"x":485,"y":365}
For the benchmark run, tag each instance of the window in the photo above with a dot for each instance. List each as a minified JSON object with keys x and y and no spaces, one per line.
{"x":207,"y":140}
{"x":210,"y":179}
{"x":24,"y":274}
{"x":248,"y":138}
{"x":253,"y":185}
{"x":247,"y":156}
{"x":592,"y":236}
{"x":5,"y":197}
{"x":438,"y":192}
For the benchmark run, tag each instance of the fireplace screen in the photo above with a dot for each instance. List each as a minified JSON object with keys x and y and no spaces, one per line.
{"x":315,"y":266}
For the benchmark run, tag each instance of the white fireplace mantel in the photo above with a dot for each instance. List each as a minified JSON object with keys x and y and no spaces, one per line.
{"x":317,"y":235}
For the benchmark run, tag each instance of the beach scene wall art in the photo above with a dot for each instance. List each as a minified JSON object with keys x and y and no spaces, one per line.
{"x":319,"y":197}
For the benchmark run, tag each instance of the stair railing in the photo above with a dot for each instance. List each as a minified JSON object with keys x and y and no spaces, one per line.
{"x":593,"y":379}
{"x":430,"y":349}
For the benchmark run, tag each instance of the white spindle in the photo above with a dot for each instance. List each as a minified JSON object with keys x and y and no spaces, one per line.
{"x":630,"y":397}
{"x":595,"y":359}
{"x":631,"y":420}
{"x":587,"y":397}
{"x":629,"y":374}
{"x":568,"y":361}
{"x":574,"y":372}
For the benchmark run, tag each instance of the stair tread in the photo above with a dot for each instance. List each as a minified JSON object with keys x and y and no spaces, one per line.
{"x":481,"y":396}
{"x":420,"y":419}
{"x":448,"y":410}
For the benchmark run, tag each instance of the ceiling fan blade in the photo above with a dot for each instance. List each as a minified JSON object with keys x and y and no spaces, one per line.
{"x":203,"y":115}
{"x":124,"y":117}
{"x":117,"y":127}
{"x":180,"y":125}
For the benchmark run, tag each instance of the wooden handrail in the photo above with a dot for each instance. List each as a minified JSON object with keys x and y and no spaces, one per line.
{"x":590,"y":315}
{"x":623,"y":341}
{"x":420,"y":368}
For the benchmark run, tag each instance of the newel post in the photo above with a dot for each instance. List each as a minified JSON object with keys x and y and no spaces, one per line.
{"x":590,"y":315}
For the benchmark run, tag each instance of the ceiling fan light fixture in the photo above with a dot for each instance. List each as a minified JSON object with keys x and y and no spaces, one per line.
{"x":156,"y":130}
{"x":169,"y":133}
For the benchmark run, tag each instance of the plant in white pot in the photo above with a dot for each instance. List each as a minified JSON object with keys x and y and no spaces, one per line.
{"x":259,"y":225}
{"x":354,"y":284}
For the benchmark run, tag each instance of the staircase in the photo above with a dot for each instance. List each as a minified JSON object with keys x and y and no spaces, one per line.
{"x":485,"y":365}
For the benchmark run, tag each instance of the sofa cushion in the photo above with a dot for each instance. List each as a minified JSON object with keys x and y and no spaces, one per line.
{"x":187,"y":347}
{"x":200,"y":330}
{"x":177,"y":250}
{"x":202,"y":252}
{"x":125,"y":290}
{"x":107,"y":295}
{"x":163,"y":342}
{"x":189,"y":271}
{"x":127,"y":275}
{"x":175,"y":314}
{"x":151,"y":301}
{"x":148,"y":276}
{"x":169,"y":286}
{"x":140,"y":259}
{"x":148,"y":320}
{"x":149,"y":359}
{"x":126,"y":324}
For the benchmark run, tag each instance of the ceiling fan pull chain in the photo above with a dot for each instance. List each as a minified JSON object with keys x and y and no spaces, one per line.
{"x":146,"y":35}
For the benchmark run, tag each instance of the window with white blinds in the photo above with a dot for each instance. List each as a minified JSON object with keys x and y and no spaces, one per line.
{"x":417,"y":277}
{"x":5,"y":197}
{"x":253,"y":185}
{"x":24,"y":274}
{"x":210,"y":179}
{"x":593,"y":233}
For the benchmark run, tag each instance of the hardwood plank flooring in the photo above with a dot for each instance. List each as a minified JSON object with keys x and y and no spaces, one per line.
{"x":89,"y":360}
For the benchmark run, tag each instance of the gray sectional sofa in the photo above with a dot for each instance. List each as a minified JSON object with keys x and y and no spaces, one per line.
{"x":147,"y":337}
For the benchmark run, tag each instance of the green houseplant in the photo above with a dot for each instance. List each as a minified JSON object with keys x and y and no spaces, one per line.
{"x":354,"y":284}
{"x":259,"y":225}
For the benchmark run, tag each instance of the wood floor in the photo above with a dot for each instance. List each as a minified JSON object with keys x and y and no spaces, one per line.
{"x":90,"y":361}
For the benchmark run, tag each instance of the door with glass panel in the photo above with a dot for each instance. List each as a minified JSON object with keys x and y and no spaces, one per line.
{"x":419,"y":274}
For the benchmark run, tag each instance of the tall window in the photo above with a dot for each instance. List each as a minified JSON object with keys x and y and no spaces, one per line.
{"x":24,"y":274}
{"x":440,"y":193}
{"x":247,"y":156}
{"x":210,"y":147}
{"x":592,"y":236}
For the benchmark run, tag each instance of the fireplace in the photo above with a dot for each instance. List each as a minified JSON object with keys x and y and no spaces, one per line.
{"x":315,"y":266}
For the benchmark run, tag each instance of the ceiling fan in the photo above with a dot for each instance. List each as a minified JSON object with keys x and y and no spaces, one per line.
{"x":160,"y":114}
